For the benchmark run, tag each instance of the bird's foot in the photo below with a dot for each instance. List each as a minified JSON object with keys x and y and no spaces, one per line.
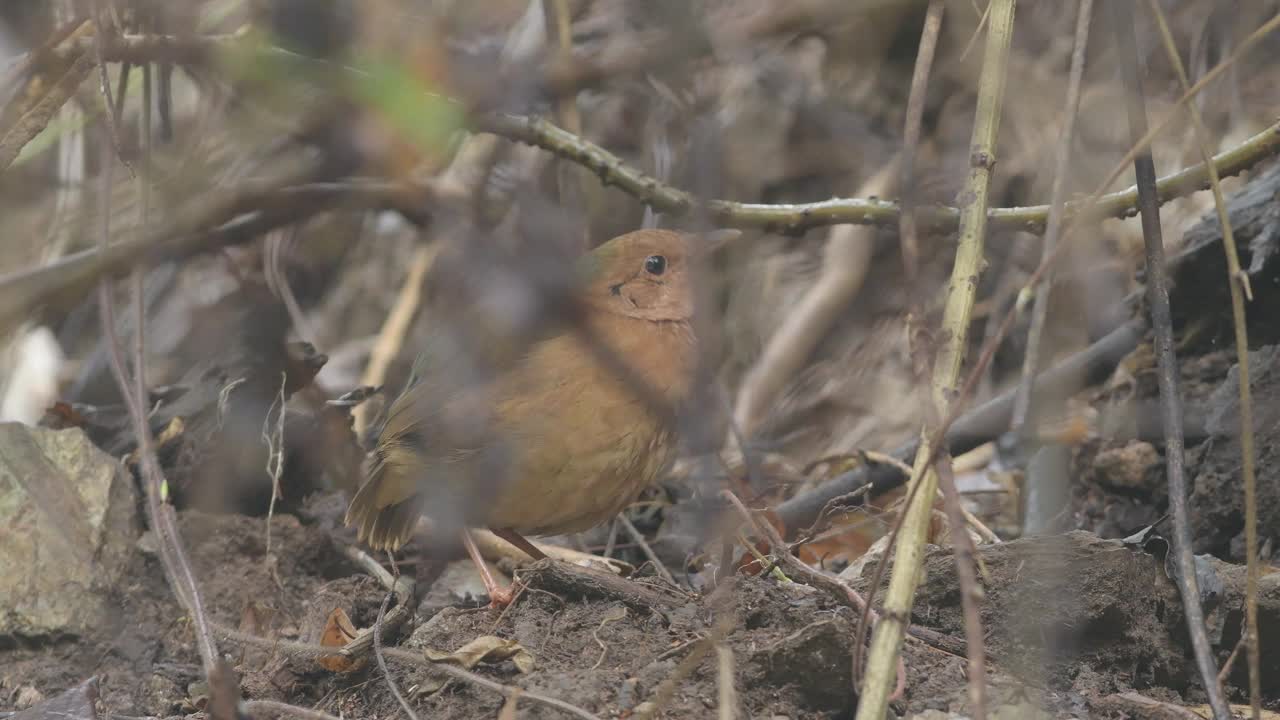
{"x":500,"y":598}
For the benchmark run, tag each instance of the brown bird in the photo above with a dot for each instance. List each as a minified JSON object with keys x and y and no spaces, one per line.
{"x":572,"y":438}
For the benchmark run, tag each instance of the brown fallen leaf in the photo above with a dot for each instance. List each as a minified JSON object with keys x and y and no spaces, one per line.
{"x":489,"y":648}
{"x":486,"y":648}
{"x":338,"y":631}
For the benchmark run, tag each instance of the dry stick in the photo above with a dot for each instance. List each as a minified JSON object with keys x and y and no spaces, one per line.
{"x":727,"y":695}
{"x":886,"y":641}
{"x":299,"y":649}
{"x":100,"y":33}
{"x":1057,"y":198}
{"x":36,"y":119}
{"x":966,"y":557}
{"x":394,"y":329}
{"x":558,"y":26}
{"x":1238,"y":283}
{"x":402,"y":587}
{"x":638,"y":538}
{"x":78,"y":26}
{"x":382,"y":663}
{"x":173,"y":555}
{"x":1166,"y":361}
{"x":907,"y":234}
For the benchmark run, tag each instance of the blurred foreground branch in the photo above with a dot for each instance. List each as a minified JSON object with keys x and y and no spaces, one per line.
{"x":229,"y":220}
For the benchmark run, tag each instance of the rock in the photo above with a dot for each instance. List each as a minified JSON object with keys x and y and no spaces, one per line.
{"x":68,"y":522}
{"x":1127,"y":467}
{"x":1217,"y":496}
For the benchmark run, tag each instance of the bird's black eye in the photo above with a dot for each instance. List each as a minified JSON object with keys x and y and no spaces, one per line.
{"x":655,"y":264}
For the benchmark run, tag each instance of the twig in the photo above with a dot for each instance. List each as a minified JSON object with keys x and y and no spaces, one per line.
{"x":1053,"y":231}
{"x":1166,"y":361}
{"x":382,"y":663}
{"x":495,"y":548}
{"x":886,"y":641}
{"x":160,"y":513}
{"x":36,"y":119}
{"x":394,"y":329}
{"x":727,"y":695}
{"x":403,"y":588}
{"x":100,"y":35}
{"x":966,"y":557}
{"x":273,"y":438}
{"x":298,"y":649}
{"x":907,"y":233}
{"x":1238,"y":283}
{"x":595,"y":635}
{"x":638,"y":538}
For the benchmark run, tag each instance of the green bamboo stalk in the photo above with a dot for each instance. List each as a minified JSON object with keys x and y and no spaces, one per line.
{"x":886,"y":642}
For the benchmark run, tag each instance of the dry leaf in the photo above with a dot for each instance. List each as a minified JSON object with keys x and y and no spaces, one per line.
{"x":485,"y":648}
{"x":338,"y":631}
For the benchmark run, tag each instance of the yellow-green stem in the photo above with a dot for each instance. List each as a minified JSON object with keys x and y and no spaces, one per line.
{"x":886,"y":642}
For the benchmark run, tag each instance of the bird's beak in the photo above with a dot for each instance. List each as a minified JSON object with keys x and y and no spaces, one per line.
{"x":716,"y":239}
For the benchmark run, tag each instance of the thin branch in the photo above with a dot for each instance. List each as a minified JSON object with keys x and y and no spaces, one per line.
{"x":382,"y":662}
{"x":1166,"y":361}
{"x":1057,"y":198}
{"x":160,"y":513}
{"x":907,"y":233}
{"x":638,"y":538}
{"x":727,"y":693}
{"x":966,"y":556}
{"x":37,"y":118}
{"x":1238,"y":283}
{"x":395,"y":328}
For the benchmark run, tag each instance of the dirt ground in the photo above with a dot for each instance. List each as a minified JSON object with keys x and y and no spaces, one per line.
{"x":1072,"y":621}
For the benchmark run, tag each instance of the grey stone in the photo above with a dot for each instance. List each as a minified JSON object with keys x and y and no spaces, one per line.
{"x":68,"y":524}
